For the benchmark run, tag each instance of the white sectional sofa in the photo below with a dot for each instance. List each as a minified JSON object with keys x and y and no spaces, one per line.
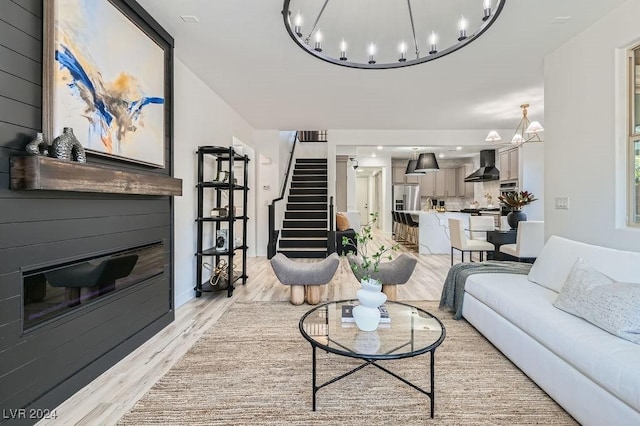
{"x":592,"y":374}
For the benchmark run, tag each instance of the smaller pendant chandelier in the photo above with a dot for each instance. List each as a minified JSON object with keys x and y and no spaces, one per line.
{"x":527,"y":131}
{"x":427,"y":162}
{"x":413,"y":163}
{"x":379,"y":35}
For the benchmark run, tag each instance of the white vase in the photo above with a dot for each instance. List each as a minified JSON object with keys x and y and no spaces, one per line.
{"x":366,"y":318}
{"x":367,"y":314}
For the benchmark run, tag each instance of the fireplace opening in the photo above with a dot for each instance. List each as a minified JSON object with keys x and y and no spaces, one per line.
{"x":54,"y":291}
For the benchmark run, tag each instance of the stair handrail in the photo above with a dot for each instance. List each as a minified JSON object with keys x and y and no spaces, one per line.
{"x":272,"y":241}
{"x":331,"y":237}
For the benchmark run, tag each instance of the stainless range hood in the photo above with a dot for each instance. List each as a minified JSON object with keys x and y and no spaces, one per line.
{"x":487,"y":170}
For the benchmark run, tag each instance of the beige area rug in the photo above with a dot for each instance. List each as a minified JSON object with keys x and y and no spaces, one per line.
{"x":253,"y":367}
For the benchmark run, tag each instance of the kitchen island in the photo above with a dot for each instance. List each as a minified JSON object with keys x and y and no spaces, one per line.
{"x":433,"y":235}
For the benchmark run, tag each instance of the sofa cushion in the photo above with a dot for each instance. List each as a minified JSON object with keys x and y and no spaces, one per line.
{"x":552,"y":266}
{"x":612,"y":306}
{"x":611,"y":362}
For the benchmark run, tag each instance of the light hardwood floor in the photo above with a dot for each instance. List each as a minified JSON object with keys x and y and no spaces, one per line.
{"x":111,"y":395}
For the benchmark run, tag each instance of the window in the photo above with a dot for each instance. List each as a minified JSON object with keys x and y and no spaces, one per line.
{"x":634,"y":137}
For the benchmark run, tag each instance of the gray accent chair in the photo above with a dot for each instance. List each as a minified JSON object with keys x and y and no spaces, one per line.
{"x":305,"y":279}
{"x":390,"y":274}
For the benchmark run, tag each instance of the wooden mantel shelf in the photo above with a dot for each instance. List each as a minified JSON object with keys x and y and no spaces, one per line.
{"x":51,"y":174}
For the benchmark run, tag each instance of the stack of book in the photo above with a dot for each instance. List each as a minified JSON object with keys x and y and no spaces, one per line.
{"x":347,"y":314}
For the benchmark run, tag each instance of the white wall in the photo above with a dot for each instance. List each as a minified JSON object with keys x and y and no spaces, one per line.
{"x":531,"y":178}
{"x":585,"y":132}
{"x":267,"y":187}
{"x":201,"y":118}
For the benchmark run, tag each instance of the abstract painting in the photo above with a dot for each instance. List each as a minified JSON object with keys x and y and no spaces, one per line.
{"x":105,"y":80}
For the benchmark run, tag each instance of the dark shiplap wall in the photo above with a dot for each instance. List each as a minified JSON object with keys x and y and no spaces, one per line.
{"x":43,"y":367}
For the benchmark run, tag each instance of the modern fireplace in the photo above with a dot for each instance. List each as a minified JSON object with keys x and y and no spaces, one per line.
{"x":54,"y":291}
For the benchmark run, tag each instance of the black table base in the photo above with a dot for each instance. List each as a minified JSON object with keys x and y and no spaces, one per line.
{"x":429,"y":394}
{"x":498,"y":238}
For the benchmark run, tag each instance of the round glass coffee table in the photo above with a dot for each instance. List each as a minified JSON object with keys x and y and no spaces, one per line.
{"x":410,"y":332}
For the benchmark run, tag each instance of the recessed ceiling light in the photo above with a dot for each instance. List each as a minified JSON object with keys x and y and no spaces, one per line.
{"x":560,"y":19}
{"x":458,"y":148}
{"x":441,"y":155}
{"x":373,"y":154}
{"x":379,"y":146}
{"x":189,"y":18}
{"x":359,"y":170}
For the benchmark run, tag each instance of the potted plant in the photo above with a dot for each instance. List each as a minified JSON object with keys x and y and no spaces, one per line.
{"x":368,"y":264}
{"x":364,"y":266}
{"x":515,"y":201}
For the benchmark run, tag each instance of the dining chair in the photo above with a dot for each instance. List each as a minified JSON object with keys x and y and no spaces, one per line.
{"x":529,"y":241}
{"x":479,"y":225}
{"x":460,"y":242}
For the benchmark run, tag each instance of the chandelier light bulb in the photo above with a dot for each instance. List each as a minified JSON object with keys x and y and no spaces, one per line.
{"x":517,"y":139}
{"x":297,"y":24}
{"x":462,"y":26}
{"x":493,"y":136}
{"x":372,"y":52}
{"x":403,"y":52}
{"x":318,"y":38}
{"x":343,"y":50}
{"x":486,"y":4}
{"x":534,"y":128}
{"x":433,"y":42}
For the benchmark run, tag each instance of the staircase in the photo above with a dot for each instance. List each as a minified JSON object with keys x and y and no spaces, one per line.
{"x":304,"y":229}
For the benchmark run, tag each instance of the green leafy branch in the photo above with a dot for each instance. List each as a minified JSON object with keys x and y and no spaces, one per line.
{"x":370,"y":263}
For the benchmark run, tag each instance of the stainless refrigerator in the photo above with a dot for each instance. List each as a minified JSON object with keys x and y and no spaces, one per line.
{"x":406,"y":197}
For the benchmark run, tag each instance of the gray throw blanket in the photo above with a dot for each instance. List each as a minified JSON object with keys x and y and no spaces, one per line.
{"x":453,"y":291}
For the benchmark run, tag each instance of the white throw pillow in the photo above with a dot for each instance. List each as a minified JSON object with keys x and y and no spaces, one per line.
{"x":595,"y":297}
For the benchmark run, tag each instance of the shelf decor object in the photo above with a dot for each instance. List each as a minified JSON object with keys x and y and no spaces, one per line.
{"x":51,"y":174}
{"x":391,"y":34}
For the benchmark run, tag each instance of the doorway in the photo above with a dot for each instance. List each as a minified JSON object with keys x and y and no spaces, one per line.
{"x":362,"y":193}
{"x":376,"y":196}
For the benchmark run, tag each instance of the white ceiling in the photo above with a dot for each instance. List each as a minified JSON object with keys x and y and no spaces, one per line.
{"x":241,"y":50}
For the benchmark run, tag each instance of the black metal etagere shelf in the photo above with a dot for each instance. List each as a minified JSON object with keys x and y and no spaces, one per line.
{"x":226,"y":158}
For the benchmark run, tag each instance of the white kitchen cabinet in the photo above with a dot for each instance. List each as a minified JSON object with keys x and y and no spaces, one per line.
{"x":451,"y":184}
{"x":399,"y":178}
{"x":412,"y":179}
{"x":398,"y":175}
{"x":465,"y":189}
{"x":509,"y":161}
{"x":428,"y":184}
{"x":446,"y":183}
{"x":441,"y":183}
{"x":514,"y":166}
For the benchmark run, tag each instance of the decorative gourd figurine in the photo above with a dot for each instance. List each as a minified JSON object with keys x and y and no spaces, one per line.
{"x":67,"y":146}
{"x":37,"y":146}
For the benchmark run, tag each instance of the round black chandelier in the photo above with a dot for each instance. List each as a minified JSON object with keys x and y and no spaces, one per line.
{"x":385,"y":34}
